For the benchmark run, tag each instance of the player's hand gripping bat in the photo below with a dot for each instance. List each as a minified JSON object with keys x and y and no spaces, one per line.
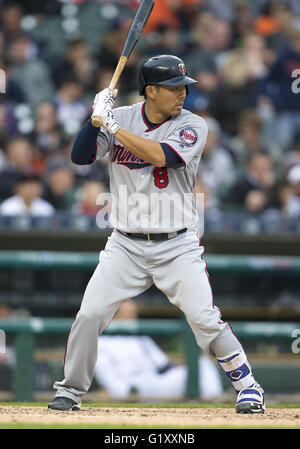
{"x":136,"y":29}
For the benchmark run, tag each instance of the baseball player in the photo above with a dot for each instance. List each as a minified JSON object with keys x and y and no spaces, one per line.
{"x":154,"y":149}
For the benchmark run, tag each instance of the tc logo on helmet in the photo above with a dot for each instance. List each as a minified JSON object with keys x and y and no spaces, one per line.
{"x":182,"y":68}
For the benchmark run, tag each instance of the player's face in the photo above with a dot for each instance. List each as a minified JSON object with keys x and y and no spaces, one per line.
{"x":169,"y":100}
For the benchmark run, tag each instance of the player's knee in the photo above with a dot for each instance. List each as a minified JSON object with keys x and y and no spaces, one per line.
{"x":200,"y":320}
{"x":207,"y":325}
{"x":91,"y":315}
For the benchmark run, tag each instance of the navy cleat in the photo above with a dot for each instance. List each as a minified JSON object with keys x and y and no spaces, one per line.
{"x":64,"y":404}
{"x":251,"y":400}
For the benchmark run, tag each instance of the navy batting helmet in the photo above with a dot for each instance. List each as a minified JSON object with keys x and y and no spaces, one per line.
{"x":165,"y":70}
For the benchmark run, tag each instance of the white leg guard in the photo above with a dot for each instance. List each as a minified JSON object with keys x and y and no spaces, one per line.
{"x":238,"y":370}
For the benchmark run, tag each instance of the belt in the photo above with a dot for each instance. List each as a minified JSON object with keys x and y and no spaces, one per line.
{"x":149,"y":236}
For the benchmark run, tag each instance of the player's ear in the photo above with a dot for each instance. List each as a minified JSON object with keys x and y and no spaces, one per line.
{"x":150,"y":91}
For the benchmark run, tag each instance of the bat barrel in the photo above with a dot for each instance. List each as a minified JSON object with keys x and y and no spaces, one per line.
{"x":134,"y":33}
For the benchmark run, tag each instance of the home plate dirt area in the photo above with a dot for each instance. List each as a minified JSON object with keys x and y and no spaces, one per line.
{"x":150,"y":417}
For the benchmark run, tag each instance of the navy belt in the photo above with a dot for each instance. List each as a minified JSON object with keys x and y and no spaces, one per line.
{"x":150,"y":236}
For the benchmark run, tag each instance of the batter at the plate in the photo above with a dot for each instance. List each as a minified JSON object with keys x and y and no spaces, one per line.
{"x":154,"y":149}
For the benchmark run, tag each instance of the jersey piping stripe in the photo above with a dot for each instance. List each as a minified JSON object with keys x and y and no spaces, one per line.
{"x":94,"y":156}
{"x":213,"y":302}
{"x":134,"y":165}
{"x":207,"y":275}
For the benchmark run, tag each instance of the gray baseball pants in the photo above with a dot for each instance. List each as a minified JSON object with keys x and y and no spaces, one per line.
{"x":127,"y":267}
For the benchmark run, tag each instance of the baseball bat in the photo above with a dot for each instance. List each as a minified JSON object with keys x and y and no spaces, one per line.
{"x":134,"y":33}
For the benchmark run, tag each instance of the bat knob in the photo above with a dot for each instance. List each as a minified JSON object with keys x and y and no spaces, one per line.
{"x":96,"y":121}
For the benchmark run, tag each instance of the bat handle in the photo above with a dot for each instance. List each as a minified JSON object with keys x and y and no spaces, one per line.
{"x":114,"y":81}
{"x":117,"y":72}
{"x":96,"y":122}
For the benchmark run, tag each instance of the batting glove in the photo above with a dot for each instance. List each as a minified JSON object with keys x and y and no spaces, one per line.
{"x":103,"y":101}
{"x":109,"y":122}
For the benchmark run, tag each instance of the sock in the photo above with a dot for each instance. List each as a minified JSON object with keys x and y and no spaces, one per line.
{"x":238,"y":370}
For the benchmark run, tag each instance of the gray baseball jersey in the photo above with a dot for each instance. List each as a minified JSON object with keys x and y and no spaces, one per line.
{"x":146,"y":198}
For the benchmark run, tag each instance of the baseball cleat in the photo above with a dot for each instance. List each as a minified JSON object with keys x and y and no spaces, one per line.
{"x":64,"y":404}
{"x":251,"y":400}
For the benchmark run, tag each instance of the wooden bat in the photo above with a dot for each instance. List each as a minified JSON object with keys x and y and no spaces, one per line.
{"x":136,"y":29}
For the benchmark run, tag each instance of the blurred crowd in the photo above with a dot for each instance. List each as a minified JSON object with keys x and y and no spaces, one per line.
{"x":56,"y":55}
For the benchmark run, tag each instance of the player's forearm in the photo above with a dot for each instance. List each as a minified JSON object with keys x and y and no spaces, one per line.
{"x":148,"y":150}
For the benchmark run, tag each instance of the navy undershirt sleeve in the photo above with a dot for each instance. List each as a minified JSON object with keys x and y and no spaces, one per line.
{"x":172,"y":159}
{"x":84,"y":148}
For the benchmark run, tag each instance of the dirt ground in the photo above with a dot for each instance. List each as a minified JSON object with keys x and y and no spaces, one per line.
{"x":179,"y":417}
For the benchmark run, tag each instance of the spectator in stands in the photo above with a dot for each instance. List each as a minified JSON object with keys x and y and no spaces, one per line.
{"x":136,"y":364}
{"x":206,"y":199}
{"x":71,"y":109}
{"x":290,"y":193}
{"x":292,"y":157}
{"x":88,"y":201}
{"x":280,"y":96}
{"x":10,"y":18}
{"x":30,"y":72}
{"x":267,"y":23}
{"x":222,"y":10}
{"x":211,"y":38}
{"x":274,"y":24}
{"x":19,"y":159}
{"x":2,"y":49}
{"x":211,"y":34}
{"x":27,"y":199}
{"x":253,"y":192}
{"x":47,"y":131}
{"x":187,"y":12}
{"x":164,"y":12}
{"x":254,"y":49}
{"x":60,"y":184}
{"x":8,"y":122}
{"x":168,"y":42}
{"x":2,"y":155}
{"x":243,"y":20}
{"x":109,"y":53}
{"x":250,"y":139}
{"x":14,"y":92}
{"x":103,"y":78}
{"x":238,"y":90}
{"x":77,"y":63}
{"x":216,"y":170}
{"x":97,"y":172}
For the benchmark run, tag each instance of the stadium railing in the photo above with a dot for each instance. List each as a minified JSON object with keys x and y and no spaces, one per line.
{"x":40,"y":260}
{"x":26,"y":331}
